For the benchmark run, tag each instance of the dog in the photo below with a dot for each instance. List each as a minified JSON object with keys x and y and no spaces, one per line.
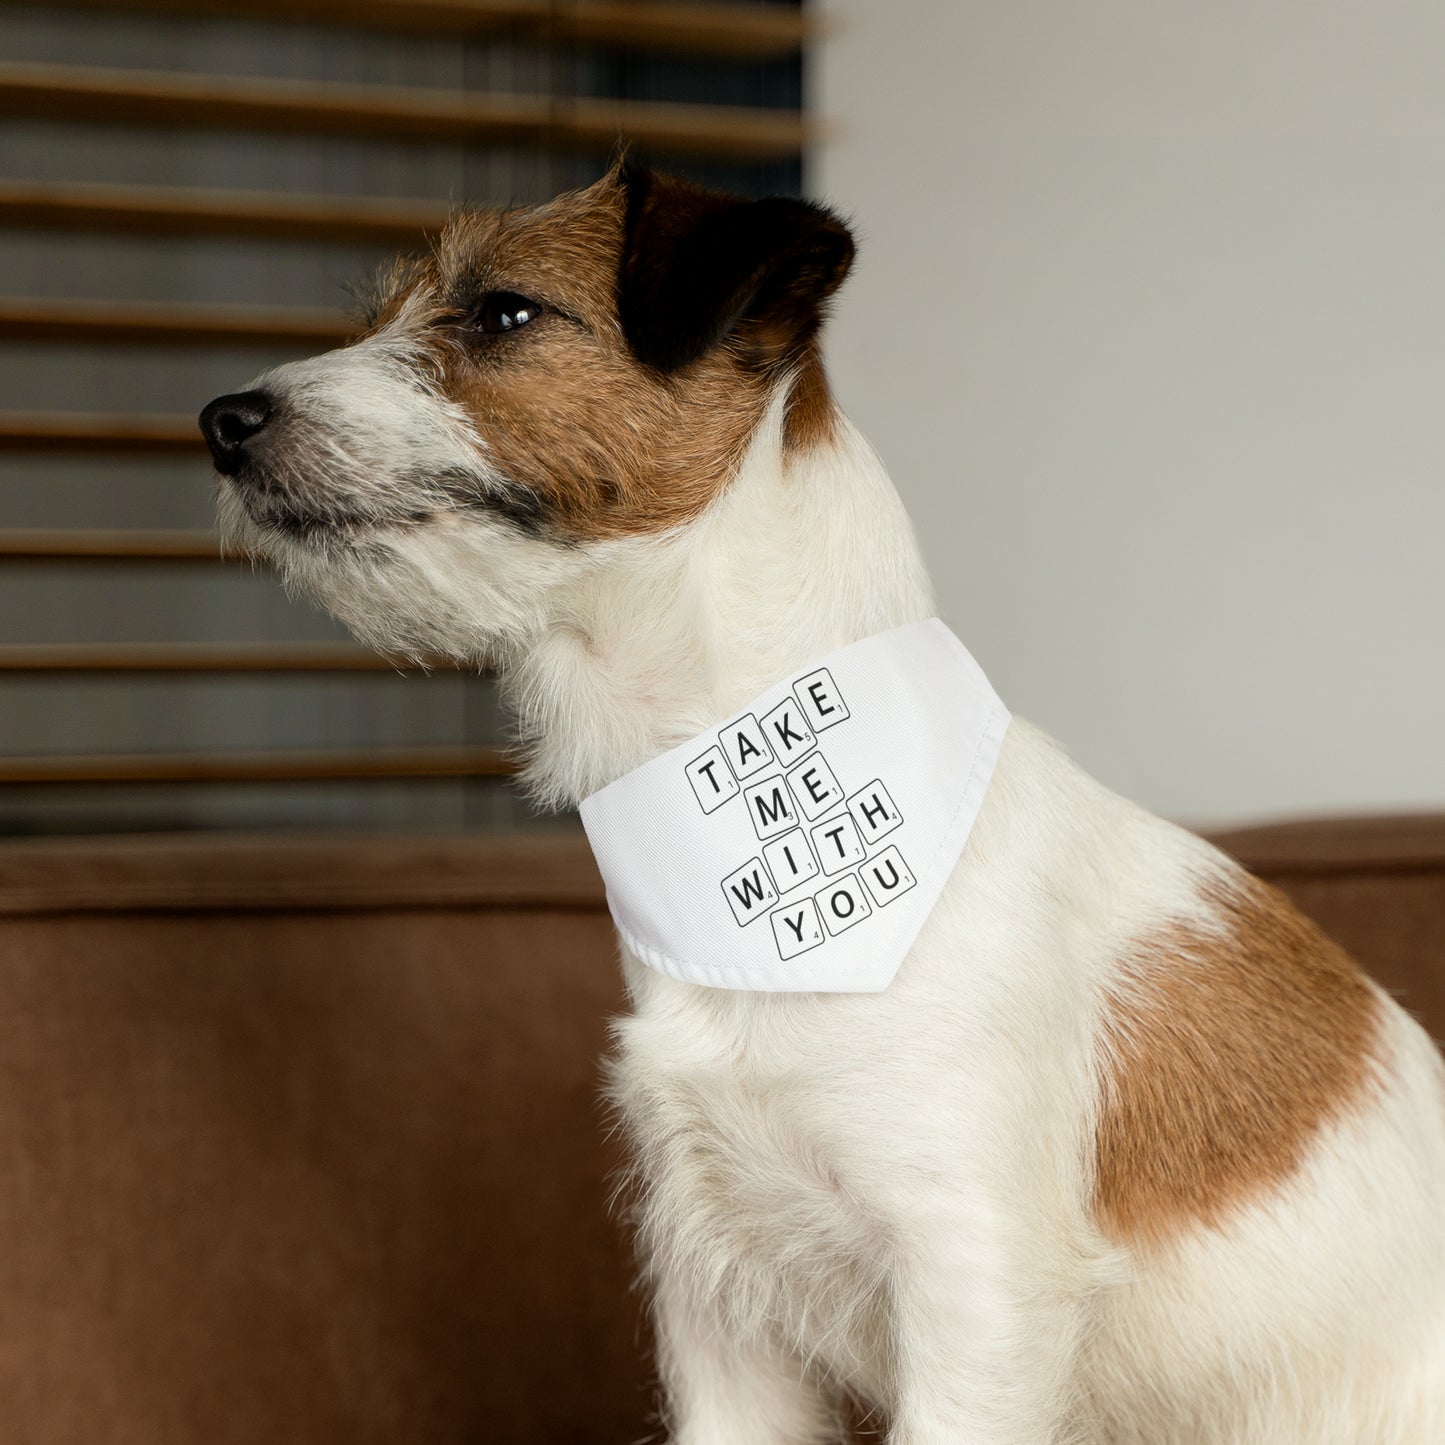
{"x":1127,"y":1153}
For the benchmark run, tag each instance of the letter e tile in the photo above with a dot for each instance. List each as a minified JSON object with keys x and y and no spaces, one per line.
{"x":814,"y":786}
{"x":823,"y":704}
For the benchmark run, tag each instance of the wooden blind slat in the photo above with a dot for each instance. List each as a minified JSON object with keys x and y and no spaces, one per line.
{"x":708,"y":29}
{"x":170,"y":323}
{"x":204,"y":657}
{"x":176,"y":210}
{"x":76,"y":544}
{"x":755,"y":32}
{"x":113,"y":97}
{"x":216,"y":102}
{"x":77,"y":431}
{"x":259,"y":767}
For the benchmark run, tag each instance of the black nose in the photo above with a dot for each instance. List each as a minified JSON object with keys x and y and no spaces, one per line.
{"x":229,"y":422}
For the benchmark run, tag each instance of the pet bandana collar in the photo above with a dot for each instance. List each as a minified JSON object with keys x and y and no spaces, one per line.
{"x":802,"y":845}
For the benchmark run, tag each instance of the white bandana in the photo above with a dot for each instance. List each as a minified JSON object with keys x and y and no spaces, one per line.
{"x":802,"y":845}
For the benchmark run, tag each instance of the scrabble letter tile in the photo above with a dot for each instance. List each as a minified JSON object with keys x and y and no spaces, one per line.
{"x":711,"y":779}
{"x":823,"y":704}
{"x":874,"y":812}
{"x":745,"y":747}
{"x":796,"y":928}
{"x":843,"y":903}
{"x":790,"y":860}
{"x":787,"y":732}
{"x":749,"y":891}
{"x":814,"y":786}
{"x":770,"y":808}
{"x":886,"y":877}
{"x":837,"y":843}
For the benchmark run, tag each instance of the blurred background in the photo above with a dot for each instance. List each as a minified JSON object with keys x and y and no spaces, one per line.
{"x":1149,"y":324}
{"x":187,"y":191}
{"x":1146,"y":323}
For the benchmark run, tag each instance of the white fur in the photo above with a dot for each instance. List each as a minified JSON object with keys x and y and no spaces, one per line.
{"x":890,"y":1194}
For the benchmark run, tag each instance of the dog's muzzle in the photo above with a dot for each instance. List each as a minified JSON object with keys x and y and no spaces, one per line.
{"x":230,"y":422}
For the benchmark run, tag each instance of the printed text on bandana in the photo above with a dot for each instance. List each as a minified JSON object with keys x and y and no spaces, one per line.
{"x":828,"y":853}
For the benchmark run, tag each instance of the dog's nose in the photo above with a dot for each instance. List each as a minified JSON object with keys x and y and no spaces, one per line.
{"x":229,"y":422}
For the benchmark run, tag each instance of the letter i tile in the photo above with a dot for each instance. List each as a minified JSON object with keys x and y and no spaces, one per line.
{"x":790,"y":860}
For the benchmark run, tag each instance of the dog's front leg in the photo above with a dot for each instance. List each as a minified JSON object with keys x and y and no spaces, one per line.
{"x":984,"y":1349}
{"x":721,"y":1387}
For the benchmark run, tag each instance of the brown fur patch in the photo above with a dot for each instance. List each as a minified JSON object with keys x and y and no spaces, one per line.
{"x":603,"y":446}
{"x":1227,"y":1052}
{"x":609,"y":447}
{"x":812,"y":413}
{"x":599,"y":444}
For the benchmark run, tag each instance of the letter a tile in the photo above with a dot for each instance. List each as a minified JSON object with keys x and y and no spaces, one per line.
{"x":745,"y":746}
{"x":711,"y":779}
{"x":749,"y":891}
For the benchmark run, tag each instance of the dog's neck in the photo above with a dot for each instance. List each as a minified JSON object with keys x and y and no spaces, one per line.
{"x":805,"y":552}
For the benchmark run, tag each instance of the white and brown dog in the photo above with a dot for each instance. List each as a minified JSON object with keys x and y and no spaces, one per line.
{"x":1128,"y":1152}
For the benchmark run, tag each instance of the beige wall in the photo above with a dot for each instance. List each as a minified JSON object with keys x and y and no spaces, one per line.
{"x":1149,"y":323}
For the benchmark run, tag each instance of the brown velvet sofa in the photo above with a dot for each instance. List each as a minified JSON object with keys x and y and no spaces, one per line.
{"x":300,"y":1139}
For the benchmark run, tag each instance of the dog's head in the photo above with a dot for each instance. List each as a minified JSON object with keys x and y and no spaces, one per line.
{"x":547,"y":383}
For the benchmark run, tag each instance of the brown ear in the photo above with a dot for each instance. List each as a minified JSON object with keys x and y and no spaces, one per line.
{"x":699,"y":266}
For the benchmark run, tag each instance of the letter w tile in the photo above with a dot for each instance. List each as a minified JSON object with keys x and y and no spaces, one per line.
{"x":749,"y":891}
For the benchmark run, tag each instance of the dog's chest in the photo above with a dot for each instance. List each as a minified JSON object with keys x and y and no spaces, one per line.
{"x":746,"y":1183}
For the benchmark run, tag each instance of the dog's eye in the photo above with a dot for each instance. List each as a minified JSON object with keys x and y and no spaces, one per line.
{"x":504,"y":311}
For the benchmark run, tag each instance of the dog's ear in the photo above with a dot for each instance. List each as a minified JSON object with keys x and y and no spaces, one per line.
{"x":699,"y":266}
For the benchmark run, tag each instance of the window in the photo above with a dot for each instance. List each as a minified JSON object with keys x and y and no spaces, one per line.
{"x":184,"y":195}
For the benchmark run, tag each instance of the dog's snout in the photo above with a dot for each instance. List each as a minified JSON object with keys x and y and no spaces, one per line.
{"x":229,"y":422}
